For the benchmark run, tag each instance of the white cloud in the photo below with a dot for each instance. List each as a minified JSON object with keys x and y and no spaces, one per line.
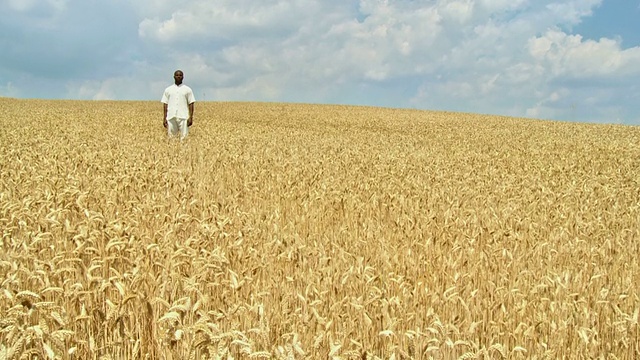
{"x":455,"y":54}
{"x":512,"y":57}
{"x":9,"y":90}
{"x":496,"y":6}
{"x":572,"y":12}
{"x":459,"y":11}
{"x":29,"y":5}
{"x":570,"y":55}
{"x":20,"y":5}
{"x":230,"y":19}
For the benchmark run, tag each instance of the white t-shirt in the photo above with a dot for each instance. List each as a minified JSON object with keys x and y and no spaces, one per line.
{"x":178,"y":99}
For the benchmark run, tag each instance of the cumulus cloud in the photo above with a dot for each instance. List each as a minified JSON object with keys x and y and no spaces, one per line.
{"x":571,"y":12}
{"x":511,"y":57}
{"x":570,"y":55}
{"x":469,"y":55}
{"x":230,"y":20}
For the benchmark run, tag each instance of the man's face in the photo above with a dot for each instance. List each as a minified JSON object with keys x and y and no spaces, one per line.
{"x":178,"y":76}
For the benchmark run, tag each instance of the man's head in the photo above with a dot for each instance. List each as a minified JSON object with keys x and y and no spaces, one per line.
{"x":178,"y":76}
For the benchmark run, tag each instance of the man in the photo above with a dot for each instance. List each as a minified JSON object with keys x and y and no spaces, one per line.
{"x":178,"y":101}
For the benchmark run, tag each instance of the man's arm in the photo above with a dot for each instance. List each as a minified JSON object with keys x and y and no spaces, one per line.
{"x":191,"y":109}
{"x":164,"y":118}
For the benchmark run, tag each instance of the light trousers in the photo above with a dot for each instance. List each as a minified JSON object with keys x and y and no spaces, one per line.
{"x":177,"y":126}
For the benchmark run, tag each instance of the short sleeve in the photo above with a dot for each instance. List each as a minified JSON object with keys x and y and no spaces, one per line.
{"x":165,"y":98}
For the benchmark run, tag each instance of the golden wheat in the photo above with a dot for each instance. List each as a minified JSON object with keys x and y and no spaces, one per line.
{"x":307,"y":231}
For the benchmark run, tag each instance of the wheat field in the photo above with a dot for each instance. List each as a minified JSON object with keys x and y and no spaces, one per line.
{"x":293,"y":231}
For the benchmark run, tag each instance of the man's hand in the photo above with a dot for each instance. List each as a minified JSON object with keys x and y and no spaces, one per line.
{"x":164,"y":122}
{"x":190,"y":121}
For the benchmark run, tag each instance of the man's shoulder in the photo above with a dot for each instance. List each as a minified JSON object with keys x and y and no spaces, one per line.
{"x":186,"y":90}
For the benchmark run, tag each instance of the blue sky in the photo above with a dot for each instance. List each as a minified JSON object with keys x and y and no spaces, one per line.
{"x":576,"y":60}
